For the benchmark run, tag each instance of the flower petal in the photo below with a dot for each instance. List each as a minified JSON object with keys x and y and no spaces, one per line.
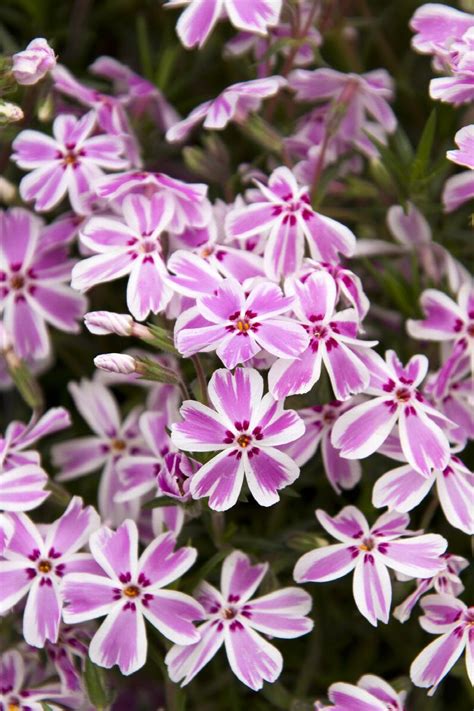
{"x":116,"y":551}
{"x":220,"y":479}
{"x":360,"y":431}
{"x":372,"y":588}
{"x":418,"y":557}
{"x":184,"y":662}
{"x":402,"y":489}
{"x":252,"y":659}
{"x":173,"y":613}
{"x":87,"y":596}
{"x":235,"y":395}
{"x":434,"y":662}
{"x":121,"y":639}
{"x":202,"y":429}
{"x":161,"y":564}
{"x":281,"y":613}
{"x":267,"y":471}
{"x":239,"y":578}
{"x":324,"y":564}
{"x":42,"y":612}
{"x":349,"y":524}
{"x":424,"y":444}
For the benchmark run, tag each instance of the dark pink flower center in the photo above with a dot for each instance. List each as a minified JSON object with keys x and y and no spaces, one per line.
{"x":403,"y":394}
{"x":243,"y":324}
{"x":17,"y":282}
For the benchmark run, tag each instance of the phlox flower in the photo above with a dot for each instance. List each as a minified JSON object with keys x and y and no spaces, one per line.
{"x":245,"y":427}
{"x":234,"y":618}
{"x":453,"y":620}
{"x":436,"y":26}
{"x":234,"y":103}
{"x":454,"y":396}
{"x":199,"y":18}
{"x":22,"y":480}
{"x":464,"y":154}
{"x":188,"y":201}
{"x":71,"y":645}
{"x":239,"y":324}
{"x":360,"y":432}
{"x":34,"y":62}
{"x":370,"y":694}
{"x":459,"y":188}
{"x":332,"y":341}
{"x":284,"y":213}
{"x":112,"y":439}
{"x":446,"y":582}
{"x":403,"y":488}
{"x":17,"y":695}
{"x":369,"y":552}
{"x":362,"y":100}
{"x":35,"y":562}
{"x":131,"y":246}
{"x":67,"y":163}
{"x":33,"y":291}
{"x":129,"y":590}
{"x":319,"y":421}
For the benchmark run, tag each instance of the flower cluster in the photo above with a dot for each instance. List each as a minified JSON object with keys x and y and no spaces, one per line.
{"x":269,"y":332}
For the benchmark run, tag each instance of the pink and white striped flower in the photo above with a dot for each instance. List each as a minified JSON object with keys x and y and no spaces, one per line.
{"x":199,"y":18}
{"x":131,"y":246}
{"x":128,"y":591}
{"x":239,"y":324}
{"x":464,"y":154}
{"x":452,"y":619}
{"x":234,"y":619}
{"x":187,"y":201}
{"x":17,"y":695}
{"x":68,"y":163}
{"x":284,"y":214}
{"x":332,"y":342}
{"x":370,"y":694}
{"x":319,"y":421}
{"x":112,"y":439}
{"x":35,"y":562}
{"x":245,"y":427}
{"x":453,"y":396}
{"x":362,"y":430}
{"x":33,"y":291}
{"x":369,"y":552}
{"x":445,"y":582}
{"x":233,"y":104}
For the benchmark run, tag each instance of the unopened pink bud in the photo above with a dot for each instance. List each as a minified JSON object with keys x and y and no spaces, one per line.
{"x":116,"y":363}
{"x":103,"y":322}
{"x":34,"y":62}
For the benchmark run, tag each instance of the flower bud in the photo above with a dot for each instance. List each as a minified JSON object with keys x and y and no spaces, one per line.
{"x":9,"y":113}
{"x":34,"y":62}
{"x":102,"y":323}
{"x":116,"y":363}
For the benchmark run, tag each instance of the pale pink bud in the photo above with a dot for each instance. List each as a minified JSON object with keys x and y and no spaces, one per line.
{"x":10,"y":113}
{"x":34,"y":62}
{"x":116,"y":363}
{"x":101,"y":323}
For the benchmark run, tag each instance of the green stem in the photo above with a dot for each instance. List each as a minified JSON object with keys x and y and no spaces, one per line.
{"x":201,"y":378}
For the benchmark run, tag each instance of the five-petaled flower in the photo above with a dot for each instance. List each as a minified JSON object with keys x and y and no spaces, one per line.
{"x":363,"y":429}
{"x":451,"y":618}
{"x":128,"y":590}
{"x":332,"y":341}
{"x":131,"y":246}
{"x":234,"y":619}
{"x":239,"y":324}
{"x":35,"y":563}
{"x":284,"y":213}
{"x":246,"y":427}
{"x":370,"y":694}
{"x":67,"y":163}
{"x":368,"y":552}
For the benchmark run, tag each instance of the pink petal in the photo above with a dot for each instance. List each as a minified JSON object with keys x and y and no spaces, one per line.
{"x":220,"y":306}
{"x":252,"y":659}
{"x":293,"y":377}
{"x":46,"y":186}
{"x":442,"y":317}
{"x":32,"y":149}
{"x":455,"y":487}
{"x":185,"y":662}
{"x":22,"y":488}
{"x":100,"y":268}
{"x":26,"y":537}
{"x":341,"y":473}
{"x":424,"y":444}
{"x":137,"y":476}
{"x":97,"y":406}
{"x":12,"y":670}
{"x":220,"y":479}
{"x":161,"y":564}
{"x":105,"y":152}
{"x":268,"y":471}
{"x":116,"y":551}
{"x":267,"y":299}
{"x":401,"y":489}
{"x":317,"y":297}
{"x":282,"y":338}
{"x":15,"y":583}
{"x":372,"y":588}
{"x":173,"y":613}
{"x":249,"y":220}
{"x":72,"y":530}
{"x":20,"y":231}
{"x":347,"y":373}
{"x":391,"y":524}
{"x":147,"y":290}
{"x":324,"y":564}
{"x":441,"y":613}
{"x":239,"y":578}
{"x":282,"y":613}
{"x":194,"y":275}
{"x":121,"y":639}
{"x":201,"y":430}
{"x":79,"y":456}
{"x":457,"y":190}
{"x":59,"y":306}
{"x":237,"y":347}
{"x":434,"y":662}
{"x":42,"y":613}
{"x":278,"y":426}
{"x":197,"y":21}
{"x":349,"y":524}
{"x":102,"y":234}
{"x":418,"y":557}
{"x":352,"y":698}
{"x":326,"y":237}
{"x":360,"y":431}
{"x":284,"y":248}
{"x":380,"y":689}
{"x":254,"y":17}
{"x":235,"y":395}
{"x":87,"y":596}
{"x":27,"y":329}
